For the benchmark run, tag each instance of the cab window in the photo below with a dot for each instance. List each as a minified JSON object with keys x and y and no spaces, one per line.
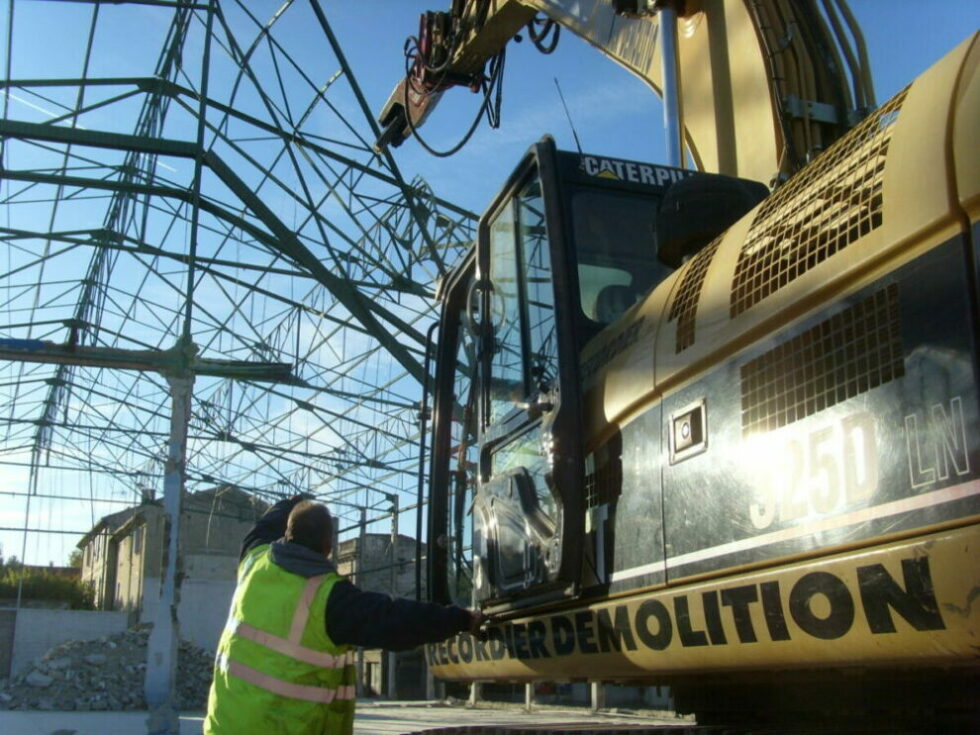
{"x":614,"y":247}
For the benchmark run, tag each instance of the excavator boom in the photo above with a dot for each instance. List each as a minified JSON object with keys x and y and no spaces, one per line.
{"x":764,"y":85}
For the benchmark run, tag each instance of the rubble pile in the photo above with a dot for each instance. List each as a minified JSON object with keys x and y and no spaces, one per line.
{"x":104,"y":674}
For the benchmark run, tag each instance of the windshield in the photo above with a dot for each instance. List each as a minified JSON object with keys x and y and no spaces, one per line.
{"x":615,"y":250}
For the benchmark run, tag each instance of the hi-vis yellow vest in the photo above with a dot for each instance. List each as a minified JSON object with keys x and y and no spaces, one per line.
{"x":277,"y":671}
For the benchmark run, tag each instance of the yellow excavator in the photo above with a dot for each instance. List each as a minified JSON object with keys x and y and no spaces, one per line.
{"x":718,"y":427}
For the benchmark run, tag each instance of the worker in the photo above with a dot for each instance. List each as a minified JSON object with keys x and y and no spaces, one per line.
{"x":285,"y":662}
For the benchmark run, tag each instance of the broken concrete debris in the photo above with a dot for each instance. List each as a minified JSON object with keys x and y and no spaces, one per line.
{"x":104,"y":674}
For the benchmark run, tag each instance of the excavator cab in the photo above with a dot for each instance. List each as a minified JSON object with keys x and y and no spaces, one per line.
{"x":567,"y":246}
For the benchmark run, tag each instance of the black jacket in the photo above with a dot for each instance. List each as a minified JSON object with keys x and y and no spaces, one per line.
{"x":355,"y":617}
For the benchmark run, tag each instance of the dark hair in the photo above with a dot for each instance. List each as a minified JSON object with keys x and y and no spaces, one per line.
{"x":310,"y":525}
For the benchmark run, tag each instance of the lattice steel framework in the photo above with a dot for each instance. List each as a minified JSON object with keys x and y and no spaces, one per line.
{"x":194,"y":181}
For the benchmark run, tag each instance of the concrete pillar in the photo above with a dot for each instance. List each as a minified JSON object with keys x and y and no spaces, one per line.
{"x":391,"y":688}
{"x":359,"y":580}
{"x":434,"y":689}
{"x":598,"y":696}
{"x":161,"y":653}
{"x":359,"y":689}
{"x":528,"y":697}
{"x":392,"y":684}
{"x":476,"y":694}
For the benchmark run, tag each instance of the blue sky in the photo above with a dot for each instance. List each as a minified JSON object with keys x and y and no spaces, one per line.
{"x":614,"y":113}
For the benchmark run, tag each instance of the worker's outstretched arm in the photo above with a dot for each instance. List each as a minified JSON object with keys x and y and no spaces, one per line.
{"x":374,"y":620}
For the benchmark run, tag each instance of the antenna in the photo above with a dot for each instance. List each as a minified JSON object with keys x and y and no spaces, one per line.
{"x":568,"y":115}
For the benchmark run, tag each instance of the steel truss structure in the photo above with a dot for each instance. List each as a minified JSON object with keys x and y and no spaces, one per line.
{"x":189,"y":189}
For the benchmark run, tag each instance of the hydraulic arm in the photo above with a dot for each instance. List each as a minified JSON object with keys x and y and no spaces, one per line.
{"x":764,"y":85}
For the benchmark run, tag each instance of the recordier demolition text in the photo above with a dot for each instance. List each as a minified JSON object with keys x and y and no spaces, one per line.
{"x":659,"y":622}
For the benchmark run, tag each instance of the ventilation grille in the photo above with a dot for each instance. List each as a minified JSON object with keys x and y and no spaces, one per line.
{"x":844,"y":356}
{"x":822,"y":210}
{"x":604,"y":474}
{"x":685,"y":306}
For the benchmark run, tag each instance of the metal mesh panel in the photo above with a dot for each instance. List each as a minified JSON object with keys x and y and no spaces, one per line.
{"x":850,"y":353}
{"x":685,"y":306}
{"x":603,"y":474}
{"x":830,"y":204}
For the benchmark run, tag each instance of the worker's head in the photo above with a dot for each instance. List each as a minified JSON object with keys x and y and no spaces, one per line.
{"x":310,"y":525}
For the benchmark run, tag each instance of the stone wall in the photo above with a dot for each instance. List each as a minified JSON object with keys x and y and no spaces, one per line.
{"x":205,"y":596}
{"x":36,"y":631}
{"x":215,"y":526}
{"x":129,"y":571}
{"x":368,"y":561}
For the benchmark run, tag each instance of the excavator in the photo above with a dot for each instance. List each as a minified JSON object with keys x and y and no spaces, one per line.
{"x":715,"y":424}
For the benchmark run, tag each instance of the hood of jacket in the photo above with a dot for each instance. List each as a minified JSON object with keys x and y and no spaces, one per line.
{"x":299,"y":559}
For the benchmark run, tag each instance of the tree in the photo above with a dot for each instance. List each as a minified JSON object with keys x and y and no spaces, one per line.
{"x":75,"y":558}
{"x":37,"y":583}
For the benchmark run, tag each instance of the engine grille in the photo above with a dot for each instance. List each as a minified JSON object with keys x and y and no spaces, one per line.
{"x":850,"y":353}
{"x":819,"y":212}
{"x":685,"y":306}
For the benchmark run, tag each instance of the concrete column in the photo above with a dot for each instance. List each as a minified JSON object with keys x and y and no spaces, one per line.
{"x":359,"y":580}
{"x":392,"y":684}
{"x":161,"y":652}
{"x":434,"y":689}
{"x":528,"y":697}
{"x":598,"y":696}
{"x":359,"y":668}
{"x":476,"y":694}
{"x":393,"y":568}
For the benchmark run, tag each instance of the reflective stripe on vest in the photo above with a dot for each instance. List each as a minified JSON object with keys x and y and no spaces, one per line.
{"x":282,"y":688}
{"x":292,"y":648}
{"x":302,"y":613}
{"x":288,"y":647}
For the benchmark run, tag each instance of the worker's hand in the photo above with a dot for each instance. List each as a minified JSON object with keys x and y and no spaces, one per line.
{"x":477,"y":619}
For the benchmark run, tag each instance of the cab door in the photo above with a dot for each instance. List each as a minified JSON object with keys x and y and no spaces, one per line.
{"x":528,"y":509}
